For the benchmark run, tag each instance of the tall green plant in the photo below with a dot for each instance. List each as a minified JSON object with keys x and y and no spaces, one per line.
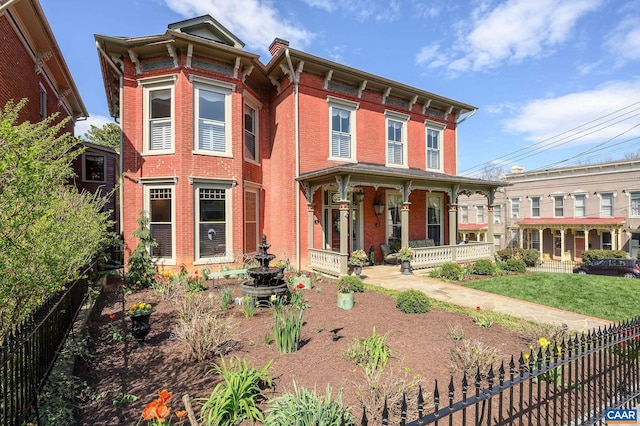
{"x":286,"y":328}
{"x":48,"y":230}
{"x":370,"y":353}
{"x":234,"y":400}
{"x":140,"y":267}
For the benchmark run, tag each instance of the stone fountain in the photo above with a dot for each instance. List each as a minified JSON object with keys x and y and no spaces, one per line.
{"x":265,"y":280}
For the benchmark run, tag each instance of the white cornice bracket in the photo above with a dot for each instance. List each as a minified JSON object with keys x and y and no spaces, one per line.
{"x":286,"y":72}
{"x":276,"y":83}
{"x":134,"y":58}
{"x":386,"y":95}
{"x":446,"y":114}
{"x":361,"y":88}
{"x":236,"y":68}
{"x":41,"y":58}
{"x":189,"y":55}
{"x":413,"y":101}
{"x":425,"y":106}
{"x":327,"y":79}
{"x":299,"y":71}
{"x":173,"y":54}
{"x":246,"y":71}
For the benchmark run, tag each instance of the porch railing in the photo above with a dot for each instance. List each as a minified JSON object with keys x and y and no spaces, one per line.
{"x":429,"y":257}
{"x":328,"y":262}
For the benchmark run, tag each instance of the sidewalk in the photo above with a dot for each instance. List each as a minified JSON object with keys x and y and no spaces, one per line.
{"x":389,"y":276}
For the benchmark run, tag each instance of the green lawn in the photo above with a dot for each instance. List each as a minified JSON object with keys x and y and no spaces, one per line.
{"x":611,"y":298}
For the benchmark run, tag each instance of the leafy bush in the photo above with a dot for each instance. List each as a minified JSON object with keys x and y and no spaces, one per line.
{"x":448,"y":271}
{"x":287,"y":328}
{"x":140,"y":268}
{"x":307,"y":408}
{"x":515,"y":265}
{"x":234,"y":400}
{"x":482,"y":267}
{"x":349,"y":283}
{"x":529,"y":256}
{"x":413,"y":302}
{"x":205,"y":330}
{"x":591,"y":255}
{"x":473,"y":356}
{"x":370,"y":353}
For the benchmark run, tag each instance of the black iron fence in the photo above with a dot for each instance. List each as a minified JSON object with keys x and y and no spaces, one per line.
{"x":565,"y":267}
{"x":572,"y":383}
{"x":28,"y":353}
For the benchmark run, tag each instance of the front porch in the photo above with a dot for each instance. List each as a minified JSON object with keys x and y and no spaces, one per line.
{"x":362,"y":206}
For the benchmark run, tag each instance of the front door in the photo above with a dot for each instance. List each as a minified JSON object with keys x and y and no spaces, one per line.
{"x":579,"y":241}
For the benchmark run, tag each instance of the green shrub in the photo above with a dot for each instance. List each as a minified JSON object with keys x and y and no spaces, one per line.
{"x":350,"y":283}
{"x":287,"y":326}
{"x":450,"y":271}
{"x":307,"y":408}
{"x":529,"y":256}
{"x":235,"y":398}
{"x":515,"y":265}
{"x":591,"y":255}
{"x":483,"y":267}
{"x":370,"y":353}
{"x":413,"y":302}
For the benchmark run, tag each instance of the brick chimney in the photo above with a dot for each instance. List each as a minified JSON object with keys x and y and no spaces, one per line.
{"x":276,"y":45}
{"x":517,"y":169}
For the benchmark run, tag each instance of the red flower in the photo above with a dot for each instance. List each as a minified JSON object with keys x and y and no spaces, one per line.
{"x":112,"y":316}
{"x":300,"y":285}
{"x":477,"y":308}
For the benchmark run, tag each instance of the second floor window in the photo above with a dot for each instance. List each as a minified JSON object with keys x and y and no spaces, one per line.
{"x":160,"y":119}
{"x":635,"y":203}
{"x":580,"y":206}
{"x":434,"y":148}
{"x":464,"y":214}
{"x":250,"y":130}
{"x":535,"y":206}
{"x":94,"y":168}
{"x":340,"y":133}
{"x":212,"y":116}
{"x":606,"y":205}
{"x":558,"y":206}
{"x":515,"y":208}
{"x":480,"y":214}
{"x":394,"y":142}
{"x":497,"y":214}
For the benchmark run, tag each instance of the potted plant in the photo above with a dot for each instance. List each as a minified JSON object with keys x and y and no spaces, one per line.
{"x":346,"y":287}
{"x":302,"y":277}
{"x":358,"y":258}
{"x":140,"y":313}
{"x":405,"y":255}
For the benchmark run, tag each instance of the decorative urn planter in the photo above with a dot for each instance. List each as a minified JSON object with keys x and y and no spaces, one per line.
{"x":406,"y":267}
{"x":357,"y":269}
{"x":140,"y":326}
{"x":305,"y":280}
{"x":345,"y":300}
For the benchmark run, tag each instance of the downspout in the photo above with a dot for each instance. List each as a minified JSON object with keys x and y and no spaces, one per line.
{"x":297,"y":143}
{"x":120,"y":162}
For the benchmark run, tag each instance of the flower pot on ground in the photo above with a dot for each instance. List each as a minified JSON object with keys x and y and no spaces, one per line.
{"x":405,"y":255}
{"x":357,"y":269}
{"x":346,"y":288}
{"x":405,"y":267}
{"x":140,"y":313}
{"x":303,"y":279}
{"x":345,"y":300}
{"x":357,"y":259}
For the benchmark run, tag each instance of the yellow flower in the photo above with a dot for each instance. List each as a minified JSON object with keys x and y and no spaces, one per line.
{"x":273,"y":297}
{"x":559,"y":350}
{"x":543,"y":342}
{"x":526,"y":357}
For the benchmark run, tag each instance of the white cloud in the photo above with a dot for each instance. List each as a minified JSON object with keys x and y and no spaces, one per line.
{"x":582,"y":117}
{"x":431,"y":56}
{"x":362,"y":9}
{"x":514,"y":30}
{"x":624,"y":40}
{"x":97,"y":120}
{"x":255,"y":22}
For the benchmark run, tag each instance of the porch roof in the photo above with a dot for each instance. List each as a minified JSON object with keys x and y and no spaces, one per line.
{"x":380,"y":175}
{"x":473,"y":226}
{"x":579,"y":221}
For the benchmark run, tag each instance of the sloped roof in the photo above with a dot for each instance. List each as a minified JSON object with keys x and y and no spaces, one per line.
{"x":573,"y":221}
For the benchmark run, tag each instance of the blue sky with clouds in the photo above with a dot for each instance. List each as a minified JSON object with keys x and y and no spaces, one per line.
{"x":556,"y":82}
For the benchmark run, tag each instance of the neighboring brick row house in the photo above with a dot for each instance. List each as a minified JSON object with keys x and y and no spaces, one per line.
{"x":562,"y":212}
{"x":219,"y":148}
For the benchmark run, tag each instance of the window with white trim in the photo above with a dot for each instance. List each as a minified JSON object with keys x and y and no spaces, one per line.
{"x":159,"y":114}
{"x":160,"y":203}
{"x":212,"y":110}
{"x":558,"y":206}
{"x":480,"y":214}
{"x":606,"y":205}
{"x":94,"y":168}
{"x":580,"y":205}
{"x":434,"y":133}
{"x":535,"y":239}
{"x":396,"y":139}
{"x":634,"y":200}
{"x":250,"y":133}
{"x":606,"y":240}
{"x":251,"y":220}
{"x":213,"y":222}
{"x":464,"y":214}
{"x":342,"y":127}
{"x":497,"y":214}
{"x":515,"y":208}
{"x":434,"y":218}
{"x":535,"y":206}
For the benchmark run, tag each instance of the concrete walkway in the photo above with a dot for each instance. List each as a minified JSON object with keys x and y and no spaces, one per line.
{"x":389,"y":276}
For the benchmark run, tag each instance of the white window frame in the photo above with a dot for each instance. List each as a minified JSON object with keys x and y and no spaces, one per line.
{"x":464,"y":214}
{"x":558,"y":199}
{"x":222,"y":88}
{"x":480,"y":213}
{"x":602,"y":242}
{"x":404,"y":120}
{"x":84,"y":167}
{"x":535,"y":239}
{"x":634,"y":196}
{"x":606,"y":196}
{"x":149,"y":85}
{"x":256,"y":106}
{"x":220,"y":184}
{"x":440,"y":202}
{"x":159,"y":183}
{"x":577,"y":199}
{"x":439,"y":128}
{"x":497,"y":214}
{"x":391,"y":225}
{"x":351,"y":108}
{"x":515,"y":213}
{"x":533,"y":201}
{"x":252,"y":188}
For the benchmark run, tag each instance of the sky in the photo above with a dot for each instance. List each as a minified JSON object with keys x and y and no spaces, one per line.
{"x":556,"y":82}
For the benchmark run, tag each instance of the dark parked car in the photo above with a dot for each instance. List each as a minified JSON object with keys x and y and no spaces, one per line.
{"x":627,"y":268}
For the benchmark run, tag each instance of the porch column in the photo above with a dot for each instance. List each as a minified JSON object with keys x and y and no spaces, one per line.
{"x":310,"y":225}
{"x":453,"y":217}
{"x":490,"y":227}
{"x":521,"y":237}
{"x":619,"y":240}
{"x":562,"y":232}
{"x":541,"y":236}
{"x":344,"y":234}
{"x":404,"y":225}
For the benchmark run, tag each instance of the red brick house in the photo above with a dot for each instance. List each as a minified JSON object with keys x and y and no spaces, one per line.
{"x":220,"y":148}
{"x":32,"y":65}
